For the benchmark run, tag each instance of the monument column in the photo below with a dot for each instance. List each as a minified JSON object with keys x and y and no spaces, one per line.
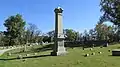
{"x":58,"y":48}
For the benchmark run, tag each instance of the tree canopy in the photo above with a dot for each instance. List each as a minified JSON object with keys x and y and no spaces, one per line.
{"x":111,"y":11}
{"x":15,"y":27}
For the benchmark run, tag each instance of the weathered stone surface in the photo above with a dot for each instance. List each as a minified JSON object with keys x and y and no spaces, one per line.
{"x":93,"y":53}
{"x":116,"y":52}
{"x":58,"y":48}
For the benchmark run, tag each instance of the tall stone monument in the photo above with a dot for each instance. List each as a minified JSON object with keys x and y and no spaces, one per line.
{"x":58,"y":48}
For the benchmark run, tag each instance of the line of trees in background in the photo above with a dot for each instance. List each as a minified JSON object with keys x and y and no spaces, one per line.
{"x":17,"y":33}
{"x":100,"y":32}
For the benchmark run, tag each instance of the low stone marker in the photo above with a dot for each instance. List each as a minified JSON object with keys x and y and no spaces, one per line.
{"x":9,"y":54}
{"x":27,"y":54}
{"x":35,"y":53}
{"x":19,"y":57}
{"x":93,"y":45}
{"x":24,"y":60}
{"x":91,"y":49}
{"x":100,"y":52}
{"x":93,"y":53}
{"x":116,"y":52}
{"x":106,"y":45}
{"x":87,"y":55}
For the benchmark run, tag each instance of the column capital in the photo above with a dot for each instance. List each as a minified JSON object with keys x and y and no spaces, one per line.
{"x":58,"y":10}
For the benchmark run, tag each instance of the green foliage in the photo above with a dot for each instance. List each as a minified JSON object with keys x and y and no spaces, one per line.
{"x":104,"y":32}
{"x":111,"y":11}
{"x":1,"y":38}
{"x":32,"y":34}
{"x":46,"y":39}
{"x":71,"y":34}
{"x":15,"y":28}
{"x":51,"y":35}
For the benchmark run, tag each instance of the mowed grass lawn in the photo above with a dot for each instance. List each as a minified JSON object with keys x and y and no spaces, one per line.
{"x":74,"y":58}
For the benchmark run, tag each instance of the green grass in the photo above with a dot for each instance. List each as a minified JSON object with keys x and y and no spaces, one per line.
{"x":74,"y":58}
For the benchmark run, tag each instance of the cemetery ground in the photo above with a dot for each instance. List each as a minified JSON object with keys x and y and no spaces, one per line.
{"x":39,"y":56}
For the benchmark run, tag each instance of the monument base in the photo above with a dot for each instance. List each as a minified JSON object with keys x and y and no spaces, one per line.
{"x":60,"y":53}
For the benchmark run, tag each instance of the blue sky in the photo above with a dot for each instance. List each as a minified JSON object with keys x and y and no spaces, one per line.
{"x":78,"y":14}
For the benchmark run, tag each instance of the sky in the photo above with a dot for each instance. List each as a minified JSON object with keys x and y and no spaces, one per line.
{"x":79,"y":15}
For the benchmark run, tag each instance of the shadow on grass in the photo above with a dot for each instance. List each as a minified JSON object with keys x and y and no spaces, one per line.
{"x":114,"y":55}
{"x":5,"y":59}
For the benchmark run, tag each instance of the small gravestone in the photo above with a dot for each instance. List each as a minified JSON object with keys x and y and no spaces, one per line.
{"x":93,"y":53}
{"x":19,"y":57}
{"x":27,"y":54}
{"x":24,"y":60}
{"x":87,"y":55}
{"x":91,"y":49}
{"x":83,"y":48}
{"x":93,"y":45}
{"x":9,"y":54}
{"x":100,"y":52}
{"x":35,"y":53}
{"x":106,"y":45}
{"x":12,"y":47}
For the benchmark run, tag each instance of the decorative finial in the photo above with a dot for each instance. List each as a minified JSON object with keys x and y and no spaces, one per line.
{"x":58,"y":6}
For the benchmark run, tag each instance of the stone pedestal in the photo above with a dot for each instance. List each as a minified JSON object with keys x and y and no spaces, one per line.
{"x":58,"y":48}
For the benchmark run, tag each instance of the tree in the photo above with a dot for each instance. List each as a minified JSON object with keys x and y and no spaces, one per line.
{"x":1,"y":38}
{"x":103,"y":31}
{"x":71,"y":34}
{"x":51,"y":35}
{"x":92,"y":34}
{"x":15,"y":27}
{"x":111,"y":11}
{"x":46,"y":39}
{"x":32,"y":34}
